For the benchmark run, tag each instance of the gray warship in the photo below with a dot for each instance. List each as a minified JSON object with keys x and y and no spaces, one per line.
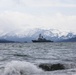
{"x":41,"y":39}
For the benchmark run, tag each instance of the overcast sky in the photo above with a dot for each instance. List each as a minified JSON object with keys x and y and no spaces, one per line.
{"x":48,"y":14}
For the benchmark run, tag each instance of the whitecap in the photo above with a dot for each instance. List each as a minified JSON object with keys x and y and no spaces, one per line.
{"x":21,"y":68}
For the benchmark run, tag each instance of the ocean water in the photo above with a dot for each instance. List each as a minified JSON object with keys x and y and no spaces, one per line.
{"x":25,"y":58}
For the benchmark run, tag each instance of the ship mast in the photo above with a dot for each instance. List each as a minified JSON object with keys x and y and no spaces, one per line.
{"x":40,"y":37}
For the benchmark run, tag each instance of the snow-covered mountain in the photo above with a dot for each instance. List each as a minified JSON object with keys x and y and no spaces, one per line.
{"x":28,"y":35}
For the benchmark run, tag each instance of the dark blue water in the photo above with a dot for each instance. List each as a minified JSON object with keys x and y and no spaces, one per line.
{"x":25,"y":57}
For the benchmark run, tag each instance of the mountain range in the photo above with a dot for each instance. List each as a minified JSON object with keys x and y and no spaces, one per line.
{"x":28,"y":35}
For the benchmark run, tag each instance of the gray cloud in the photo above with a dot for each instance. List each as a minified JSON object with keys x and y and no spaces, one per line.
{"x":21,"y":15}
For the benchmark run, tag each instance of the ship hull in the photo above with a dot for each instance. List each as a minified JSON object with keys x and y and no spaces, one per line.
{"x":38,"y":41}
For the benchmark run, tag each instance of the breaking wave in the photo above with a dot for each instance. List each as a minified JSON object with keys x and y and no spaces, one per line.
{"x":21,"y":68}
{"x":27,"y":68}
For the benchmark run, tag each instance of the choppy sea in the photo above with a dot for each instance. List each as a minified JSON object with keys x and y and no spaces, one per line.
{"x":25,"y":58}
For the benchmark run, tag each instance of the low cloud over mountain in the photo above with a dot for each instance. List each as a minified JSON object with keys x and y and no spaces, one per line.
{"x":28,"y":35}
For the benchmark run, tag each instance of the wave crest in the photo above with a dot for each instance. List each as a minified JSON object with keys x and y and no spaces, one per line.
{"x":21,"y":68}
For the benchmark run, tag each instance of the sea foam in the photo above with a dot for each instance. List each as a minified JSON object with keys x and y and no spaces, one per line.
{"x":21,"y":68}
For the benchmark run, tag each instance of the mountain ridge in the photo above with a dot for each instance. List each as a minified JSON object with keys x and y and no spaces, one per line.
{"x":28,"y":35}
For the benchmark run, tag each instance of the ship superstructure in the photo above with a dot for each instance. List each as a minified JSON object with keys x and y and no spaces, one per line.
{"x":41,"y":39}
